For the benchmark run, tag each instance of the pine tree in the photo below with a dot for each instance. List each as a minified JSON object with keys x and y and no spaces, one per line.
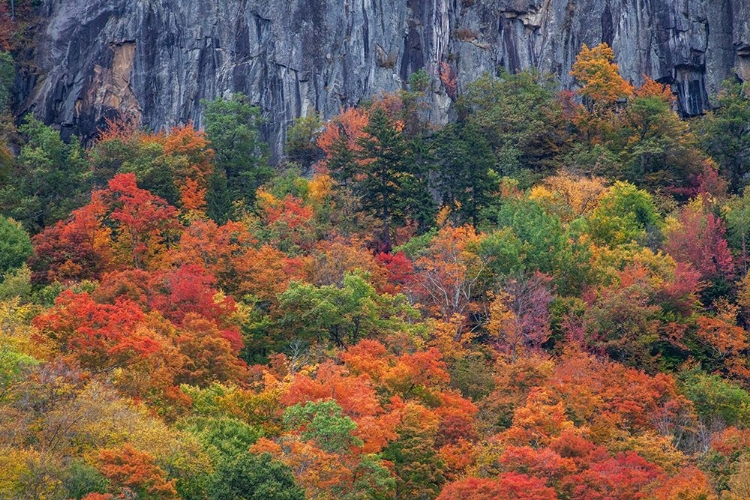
{"x":381,"y":180}
{"x":466,"y":178}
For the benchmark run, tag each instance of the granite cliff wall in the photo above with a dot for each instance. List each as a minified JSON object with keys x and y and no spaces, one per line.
{"x":156,"y":59}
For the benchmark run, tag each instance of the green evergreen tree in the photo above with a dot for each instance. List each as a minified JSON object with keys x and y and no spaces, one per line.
{"x":383,"y":171}
{"x":419,"y":202}
{"x":342,"y":162}
{"x":466,"y":178}
{"x":241,"y":156}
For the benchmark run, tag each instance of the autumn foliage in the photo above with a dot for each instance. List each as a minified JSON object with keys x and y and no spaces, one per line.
{"x":547,"y":299}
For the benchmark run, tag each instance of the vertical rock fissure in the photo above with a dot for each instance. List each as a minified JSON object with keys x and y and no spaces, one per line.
{"x":302,"y":56}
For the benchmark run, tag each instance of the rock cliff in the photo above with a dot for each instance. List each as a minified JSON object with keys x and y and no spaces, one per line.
{"x":156,"y":59}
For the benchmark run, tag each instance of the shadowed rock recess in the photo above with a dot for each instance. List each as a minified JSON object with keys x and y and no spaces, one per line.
{"x":156,"y":59}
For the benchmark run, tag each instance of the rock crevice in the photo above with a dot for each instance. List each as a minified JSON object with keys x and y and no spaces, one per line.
{"x":157,"y":59}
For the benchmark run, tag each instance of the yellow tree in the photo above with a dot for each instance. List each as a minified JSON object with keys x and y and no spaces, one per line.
{"x":601,"y":84}
{"x":569,"y":196}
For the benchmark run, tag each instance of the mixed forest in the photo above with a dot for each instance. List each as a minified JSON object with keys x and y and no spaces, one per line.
{"x":546,"y":298}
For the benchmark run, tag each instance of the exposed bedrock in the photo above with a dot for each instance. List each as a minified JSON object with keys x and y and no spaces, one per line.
{"x":157,"y":59}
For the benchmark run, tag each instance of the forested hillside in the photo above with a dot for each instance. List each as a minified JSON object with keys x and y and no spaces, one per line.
{"x":546,"y":298}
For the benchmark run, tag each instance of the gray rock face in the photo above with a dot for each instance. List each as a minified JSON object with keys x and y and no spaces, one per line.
{"x":157,"y":59}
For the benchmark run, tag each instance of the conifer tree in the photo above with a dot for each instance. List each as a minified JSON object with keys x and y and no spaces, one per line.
{"x":241,"y":156}
{"x":466,"y":178}
{"x":382,"y":174}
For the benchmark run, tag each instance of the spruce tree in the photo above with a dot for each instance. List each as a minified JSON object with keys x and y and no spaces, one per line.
{"x":466,"y":178}
{"x":383,"y":172}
